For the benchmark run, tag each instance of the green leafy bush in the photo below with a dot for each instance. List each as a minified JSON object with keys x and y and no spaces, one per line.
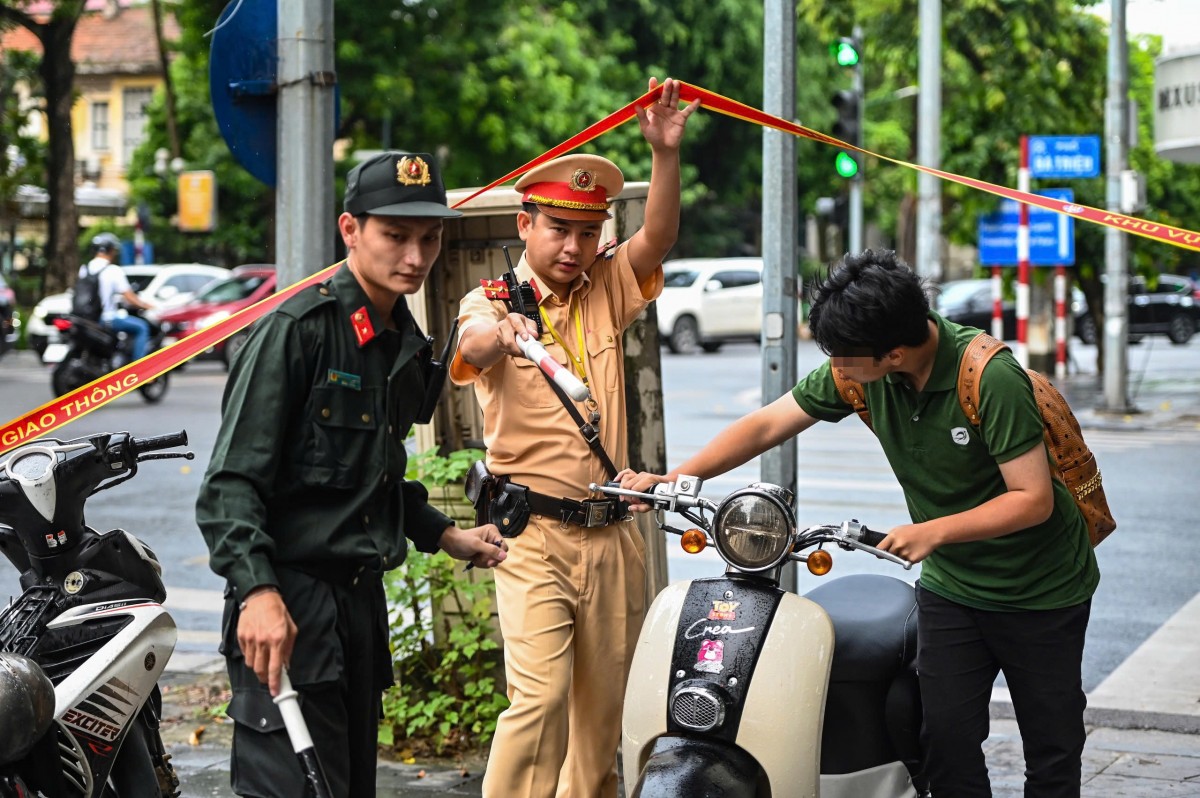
{"x":447,"y":658}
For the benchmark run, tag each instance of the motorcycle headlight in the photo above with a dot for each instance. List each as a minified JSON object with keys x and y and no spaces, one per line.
{"x":754,"y":528}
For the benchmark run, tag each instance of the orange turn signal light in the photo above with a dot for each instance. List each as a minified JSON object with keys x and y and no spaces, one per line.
{"x":820,"y":562}
{"x":693,"y":541}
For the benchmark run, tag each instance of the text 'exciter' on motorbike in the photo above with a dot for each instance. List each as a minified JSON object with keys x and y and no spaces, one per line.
{"x":737,"y":687}
{"x":82,"y":648}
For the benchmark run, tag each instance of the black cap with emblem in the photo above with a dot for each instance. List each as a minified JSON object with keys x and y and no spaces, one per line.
{"x":397,"y":184}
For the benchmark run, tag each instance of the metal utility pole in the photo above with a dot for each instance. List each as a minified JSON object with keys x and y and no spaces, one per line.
{"x":304,"y":202}
{"x":779,"y":237}
{"x":929,"y":142}
{"x":1116,"y":245}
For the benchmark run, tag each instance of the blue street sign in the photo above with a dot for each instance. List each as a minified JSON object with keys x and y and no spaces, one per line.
{"x":1064,"y":156}
{"x":1051,"y":234}
{"x":243,"y":68}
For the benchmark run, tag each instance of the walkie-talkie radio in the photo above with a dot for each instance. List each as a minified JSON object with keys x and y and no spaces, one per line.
{"x":516,"y":296}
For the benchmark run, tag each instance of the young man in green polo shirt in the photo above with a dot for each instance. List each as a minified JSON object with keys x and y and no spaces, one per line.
{"x":1008,"y":571}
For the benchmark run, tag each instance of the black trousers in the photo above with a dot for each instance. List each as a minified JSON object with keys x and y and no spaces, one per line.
{"x":339,"y":667}
{"x":960,"y":651}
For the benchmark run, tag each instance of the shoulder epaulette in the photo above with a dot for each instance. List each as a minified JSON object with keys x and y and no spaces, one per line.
{"x":308,"y":300}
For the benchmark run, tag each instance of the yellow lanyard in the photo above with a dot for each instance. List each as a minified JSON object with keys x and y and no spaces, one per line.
{"x":576,"y":360}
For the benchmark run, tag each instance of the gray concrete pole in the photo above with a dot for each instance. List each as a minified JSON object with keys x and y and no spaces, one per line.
{"x":856,"y":184}
{"x":304,"y":201}
{"x":1116,"y":245}
{"x":779,"y":228}
{"x":929,"y":142}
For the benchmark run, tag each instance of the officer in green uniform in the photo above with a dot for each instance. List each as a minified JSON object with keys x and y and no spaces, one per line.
{"x":305,"y":505}
{"x":1008,"y":569}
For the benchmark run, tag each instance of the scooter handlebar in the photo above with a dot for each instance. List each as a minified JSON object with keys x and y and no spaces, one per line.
{"x":872,"y":538}
{"x":140,"y":445}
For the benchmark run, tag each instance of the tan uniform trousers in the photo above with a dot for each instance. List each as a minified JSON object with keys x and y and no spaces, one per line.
{"x":571,"y":603}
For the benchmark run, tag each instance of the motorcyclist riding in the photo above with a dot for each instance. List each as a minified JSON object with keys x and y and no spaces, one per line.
{"x":113,"y":285}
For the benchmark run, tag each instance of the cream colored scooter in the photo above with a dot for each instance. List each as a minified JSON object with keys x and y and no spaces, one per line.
{"x":738,"y":689}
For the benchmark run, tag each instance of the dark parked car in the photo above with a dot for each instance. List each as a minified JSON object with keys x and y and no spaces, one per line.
{"x":969,"y":302}
{"x":220,"y":300}
{"x":8,"y":317}
{"x":1167,"y":307}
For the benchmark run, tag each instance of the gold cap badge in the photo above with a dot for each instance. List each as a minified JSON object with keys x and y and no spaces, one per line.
{"x":412,"y":171}
{"x":583,"y":180}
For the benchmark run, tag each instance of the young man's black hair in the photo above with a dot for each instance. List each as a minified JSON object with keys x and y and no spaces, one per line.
{"x":869,"y":304}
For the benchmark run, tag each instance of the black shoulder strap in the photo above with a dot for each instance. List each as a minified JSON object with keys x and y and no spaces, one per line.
{"x":587,"y":430}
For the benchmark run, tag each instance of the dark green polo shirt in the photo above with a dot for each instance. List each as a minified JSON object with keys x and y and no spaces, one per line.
{"x":946,"y":465}
{"x":308,"y":466}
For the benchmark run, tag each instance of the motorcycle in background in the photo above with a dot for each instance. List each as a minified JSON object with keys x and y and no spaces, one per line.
{"x":92,"y":350}
{"x":741,"y":689}
{"x":82,"y":648}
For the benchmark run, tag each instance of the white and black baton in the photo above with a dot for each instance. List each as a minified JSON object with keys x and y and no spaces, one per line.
{"x":302,"y":744}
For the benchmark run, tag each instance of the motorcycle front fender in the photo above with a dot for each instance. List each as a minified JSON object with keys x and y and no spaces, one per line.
{"x":696,"y":766}
{"x":782,"y":716}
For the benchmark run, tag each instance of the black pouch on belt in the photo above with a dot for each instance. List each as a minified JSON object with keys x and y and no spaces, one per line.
{"x":479,"y":484}
{"x":497,"y":501}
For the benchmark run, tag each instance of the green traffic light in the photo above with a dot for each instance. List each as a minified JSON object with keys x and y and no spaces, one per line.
{"x":845,"y":165}
{"x":846,"y":53}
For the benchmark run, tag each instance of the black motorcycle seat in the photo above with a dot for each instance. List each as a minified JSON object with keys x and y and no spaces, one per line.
{"x":875,"y":625}
{"x":95,"y":336}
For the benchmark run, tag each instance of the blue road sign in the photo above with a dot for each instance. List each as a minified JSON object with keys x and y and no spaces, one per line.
{"x":1051,"y":234}
{"x":1064,"y":156}
{"x":243,"y":68}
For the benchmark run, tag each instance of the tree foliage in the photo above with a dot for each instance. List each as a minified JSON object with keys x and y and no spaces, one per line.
{"x":22,"y":156}
{"x":56,"y":72}
{"x":487,"y":85}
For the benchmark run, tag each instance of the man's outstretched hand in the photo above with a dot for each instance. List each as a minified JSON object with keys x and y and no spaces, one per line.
{"x":482,"y":546}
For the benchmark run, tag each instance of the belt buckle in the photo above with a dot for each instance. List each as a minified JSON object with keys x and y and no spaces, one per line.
{"x":595,"y":512}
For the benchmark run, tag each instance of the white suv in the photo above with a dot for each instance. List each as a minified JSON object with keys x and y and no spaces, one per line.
{"x":164,"y":286}
{"x":707,"y":302}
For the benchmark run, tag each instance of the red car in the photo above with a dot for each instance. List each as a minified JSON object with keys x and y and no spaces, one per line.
{"x":245,"y":286}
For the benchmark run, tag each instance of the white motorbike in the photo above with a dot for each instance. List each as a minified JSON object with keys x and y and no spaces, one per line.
{"x":740,"y":689}
{"x":82,"y":648}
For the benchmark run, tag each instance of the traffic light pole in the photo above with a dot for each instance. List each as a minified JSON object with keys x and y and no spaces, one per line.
{"x":856,"y":184}
{"x":779,"y":231}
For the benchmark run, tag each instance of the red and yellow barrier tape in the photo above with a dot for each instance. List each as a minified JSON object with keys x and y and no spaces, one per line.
{"x":45,"y":419}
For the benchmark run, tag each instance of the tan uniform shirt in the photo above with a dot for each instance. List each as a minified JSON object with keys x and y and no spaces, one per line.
{"x":530,"y":436}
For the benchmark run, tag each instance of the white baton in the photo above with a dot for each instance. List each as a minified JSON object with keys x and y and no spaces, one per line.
{"x":563,"y":378}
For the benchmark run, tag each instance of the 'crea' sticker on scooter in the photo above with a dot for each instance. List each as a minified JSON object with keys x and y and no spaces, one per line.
{"x":724,"y":611}
{"x":702,"y":627}
{"x":711,"y":657}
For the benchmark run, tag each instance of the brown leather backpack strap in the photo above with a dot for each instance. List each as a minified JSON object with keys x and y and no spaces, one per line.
{"x":852,"y":394}
{"x":982,"y":348}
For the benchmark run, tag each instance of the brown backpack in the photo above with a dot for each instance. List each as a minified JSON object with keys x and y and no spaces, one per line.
{"x":1075,"y":466}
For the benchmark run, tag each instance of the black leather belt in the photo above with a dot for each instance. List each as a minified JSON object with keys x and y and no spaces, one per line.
{"x":588,"y":513}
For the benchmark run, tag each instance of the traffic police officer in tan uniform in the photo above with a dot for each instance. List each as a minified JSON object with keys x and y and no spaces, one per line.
{"x":304,"y":504}
{"x":572,"y":595}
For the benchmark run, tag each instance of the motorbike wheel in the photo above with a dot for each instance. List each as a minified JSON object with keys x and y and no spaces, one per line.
{"x":67,"y":376}
{"x":155,"y":390}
